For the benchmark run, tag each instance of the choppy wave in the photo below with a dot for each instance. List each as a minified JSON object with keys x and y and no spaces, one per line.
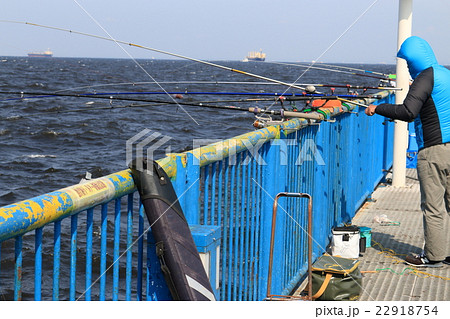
{"x":41,"y":156}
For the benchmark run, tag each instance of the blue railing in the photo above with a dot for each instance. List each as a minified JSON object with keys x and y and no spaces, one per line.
{"x":96,"y":239}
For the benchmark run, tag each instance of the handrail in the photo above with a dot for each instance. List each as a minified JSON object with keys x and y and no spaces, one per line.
{"x":24,"y":216}
{"x":30,"y":214}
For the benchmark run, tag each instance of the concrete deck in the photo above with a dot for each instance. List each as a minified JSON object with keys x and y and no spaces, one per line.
{"x":386,"y":277}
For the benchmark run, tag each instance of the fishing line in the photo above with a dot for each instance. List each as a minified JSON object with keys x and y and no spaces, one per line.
{"x":311,"y":66}
{"x":356,"y":69}
{"x":130,"y":56}
{"x":332,"y":44}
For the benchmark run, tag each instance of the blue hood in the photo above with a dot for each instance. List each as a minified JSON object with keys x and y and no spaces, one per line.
{"x":418,"y":54}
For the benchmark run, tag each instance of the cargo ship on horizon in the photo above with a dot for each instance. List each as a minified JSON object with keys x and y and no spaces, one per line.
{"x":255,"y":56}
{"x":45,"y":54}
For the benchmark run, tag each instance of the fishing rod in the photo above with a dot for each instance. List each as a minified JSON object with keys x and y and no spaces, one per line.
{"x":110,"y":97}
{"x":348,"y":86}
{"x":254,"y":110}
{"x":291,"y":85}
{"x":392,"y":76}
{"x":113,"y":96}
{"x":331,"y":70}
{"x":309,"y":92}
{"x":357,"y":87}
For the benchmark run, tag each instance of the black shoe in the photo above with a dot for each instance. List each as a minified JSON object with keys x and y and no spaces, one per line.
{"x":447,"y":260}
{"x":423,"y":261}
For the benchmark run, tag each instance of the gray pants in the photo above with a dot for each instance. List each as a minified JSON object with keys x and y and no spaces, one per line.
{"x":433,"y":168}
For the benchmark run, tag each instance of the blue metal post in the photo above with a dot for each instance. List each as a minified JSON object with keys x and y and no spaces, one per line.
{"x":116,"y":254}
{"x":56,"y":259}
{"x":268,"y":194}
{"x":253,"y":231}
{"x":140,"y":251}
{"x":129,"y":247}
{"x":103,"y":238}
{"x":157,"y":289}
{"x":220,"y":193}
{"x":258,"y":180}
{"x":89,"y":225}
{"x":206,"y":194}
{"x":225,"y":227}
{"x":73,"y":256}
{"x":277,"y":184}
{"x":351,"y":122}
{"x":179,"y":182}
{"x":0,"y":263}
{"x":243,"y":226}
{"x":18,"y":269}
{"x":246,"y":239}
{"x":237,"y":261}
{"x":38,"y":264}
{"x":231,"y":265}
{"x":321,"y":192}
{"x":213,"y":195}
{"x":192,"y":192}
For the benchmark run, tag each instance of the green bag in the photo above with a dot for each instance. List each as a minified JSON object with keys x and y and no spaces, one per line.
{"x":336,"y":278}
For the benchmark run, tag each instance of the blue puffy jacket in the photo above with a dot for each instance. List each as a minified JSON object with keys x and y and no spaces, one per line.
{"x":428,"y":99}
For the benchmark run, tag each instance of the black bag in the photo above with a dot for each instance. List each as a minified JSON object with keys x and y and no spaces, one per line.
{"x":336,"y":279}
{"x":180,"y":262}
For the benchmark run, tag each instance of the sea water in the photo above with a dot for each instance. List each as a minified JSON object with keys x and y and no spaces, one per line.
{"x":51,"y":142}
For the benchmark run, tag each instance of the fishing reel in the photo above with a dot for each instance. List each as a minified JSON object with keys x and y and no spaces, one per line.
{"x":387,"y":83}
{"x":263,"y":121}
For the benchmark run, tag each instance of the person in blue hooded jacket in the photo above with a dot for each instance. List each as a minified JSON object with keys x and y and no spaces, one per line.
{"x":428,"y":105}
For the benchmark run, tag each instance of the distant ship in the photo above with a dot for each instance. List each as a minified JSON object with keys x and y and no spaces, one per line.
{"x":45,"y":54}
{"x":255,"y":56}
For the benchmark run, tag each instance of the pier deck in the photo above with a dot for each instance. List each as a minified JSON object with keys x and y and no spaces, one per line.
{"x":386,"y":277}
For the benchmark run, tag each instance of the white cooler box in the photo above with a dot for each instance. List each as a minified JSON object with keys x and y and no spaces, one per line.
{"x":345,"y":242}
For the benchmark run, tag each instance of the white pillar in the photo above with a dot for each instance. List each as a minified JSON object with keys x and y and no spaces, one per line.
{"x":401,"y":128}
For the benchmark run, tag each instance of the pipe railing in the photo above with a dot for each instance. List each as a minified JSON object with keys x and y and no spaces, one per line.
{"x":231,"y":184}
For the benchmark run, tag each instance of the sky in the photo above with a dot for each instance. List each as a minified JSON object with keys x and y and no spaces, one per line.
{"x":286,"y":30}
